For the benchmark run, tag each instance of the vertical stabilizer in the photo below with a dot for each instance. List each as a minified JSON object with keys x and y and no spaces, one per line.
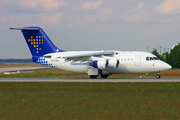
{"x":38,"y":42}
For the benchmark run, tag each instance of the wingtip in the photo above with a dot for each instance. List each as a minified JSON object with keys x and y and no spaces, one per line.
{"x":11,"y":28}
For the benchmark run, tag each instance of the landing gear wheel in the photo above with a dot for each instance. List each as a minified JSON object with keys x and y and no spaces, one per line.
{"x":104,"y":76}
{"x":158,"y":76}
{"x":93,"y":76}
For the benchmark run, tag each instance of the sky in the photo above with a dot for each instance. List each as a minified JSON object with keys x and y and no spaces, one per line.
{"x":85,"y":25}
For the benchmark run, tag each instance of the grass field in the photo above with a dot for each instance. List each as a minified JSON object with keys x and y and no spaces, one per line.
{"x":125,"y":101}
{"x":52,"y":73}
{"x":80,"y":101}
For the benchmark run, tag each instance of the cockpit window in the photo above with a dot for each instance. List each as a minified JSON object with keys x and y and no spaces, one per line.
{"x":156,"y":58}
{"x":151,"y":58}
{"x":147,"y":58}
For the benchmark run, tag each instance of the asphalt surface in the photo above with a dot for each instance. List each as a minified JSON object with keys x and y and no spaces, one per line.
{"x":87,"y":80}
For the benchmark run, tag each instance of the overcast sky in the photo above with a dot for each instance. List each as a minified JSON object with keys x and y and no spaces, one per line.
{"x":126,"y":25}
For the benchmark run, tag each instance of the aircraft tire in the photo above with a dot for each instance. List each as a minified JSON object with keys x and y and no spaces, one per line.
{"x":93,"y":76}
{"x":104,"y":76}
{"x":158,"y":76}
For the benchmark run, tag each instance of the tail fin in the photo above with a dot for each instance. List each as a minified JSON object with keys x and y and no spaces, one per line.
{"x":38,"y":42}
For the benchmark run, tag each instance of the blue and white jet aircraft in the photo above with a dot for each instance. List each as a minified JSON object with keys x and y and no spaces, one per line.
{"x":93,"y":63}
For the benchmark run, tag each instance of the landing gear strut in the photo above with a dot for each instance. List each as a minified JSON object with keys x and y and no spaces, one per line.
{"x":103,"y":75}
{"x":158,"y":76}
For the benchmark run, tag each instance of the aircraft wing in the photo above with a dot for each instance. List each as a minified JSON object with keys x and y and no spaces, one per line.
{"x":80,"y":55}
{"x":98,"y":59}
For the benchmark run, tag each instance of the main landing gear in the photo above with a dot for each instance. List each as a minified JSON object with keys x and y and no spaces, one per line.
{"x":95,"y":76}
{"x":104,"y":76}
{"x":158,"y":76}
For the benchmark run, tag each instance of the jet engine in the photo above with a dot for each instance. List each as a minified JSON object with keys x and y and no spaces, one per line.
{"x":113,"y":63}
{"x":100,"y":64}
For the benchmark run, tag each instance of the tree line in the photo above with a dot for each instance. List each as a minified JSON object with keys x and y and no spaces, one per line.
{"x":15,"y":61}
{"x":172,"y":57}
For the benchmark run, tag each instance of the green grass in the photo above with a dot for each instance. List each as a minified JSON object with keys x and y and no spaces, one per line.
{"x":45,"y":73}
{"x":58,"y":100}
{"x":52,"y":73}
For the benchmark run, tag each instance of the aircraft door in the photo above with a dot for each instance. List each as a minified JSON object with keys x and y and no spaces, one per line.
{"x":137,"y":61}
{"x":153,"y":63}
{"x":62,"y":62}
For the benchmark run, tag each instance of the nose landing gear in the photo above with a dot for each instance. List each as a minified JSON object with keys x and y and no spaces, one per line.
{"x":158,"y":76}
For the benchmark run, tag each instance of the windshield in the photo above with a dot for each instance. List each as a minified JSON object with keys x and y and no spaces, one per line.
{"x":151,"y":58}
{"x":156,"y":58}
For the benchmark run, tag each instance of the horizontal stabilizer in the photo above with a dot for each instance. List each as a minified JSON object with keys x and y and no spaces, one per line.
{"x":23,"y":28}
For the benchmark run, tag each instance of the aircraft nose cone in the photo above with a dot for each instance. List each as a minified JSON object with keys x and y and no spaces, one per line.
{"x":167,"y":66}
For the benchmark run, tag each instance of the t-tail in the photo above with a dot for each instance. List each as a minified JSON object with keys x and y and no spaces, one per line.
{"x":38,"y":42}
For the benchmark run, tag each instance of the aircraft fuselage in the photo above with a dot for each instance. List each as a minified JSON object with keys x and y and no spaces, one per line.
{"x":129,"y":62}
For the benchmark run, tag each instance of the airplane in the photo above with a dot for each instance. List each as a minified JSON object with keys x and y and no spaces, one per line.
{"x":93,"y":63}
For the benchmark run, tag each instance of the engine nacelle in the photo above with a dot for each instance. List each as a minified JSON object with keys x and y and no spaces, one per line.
{"x":100,"y":64}
{"x":113,"y":63}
